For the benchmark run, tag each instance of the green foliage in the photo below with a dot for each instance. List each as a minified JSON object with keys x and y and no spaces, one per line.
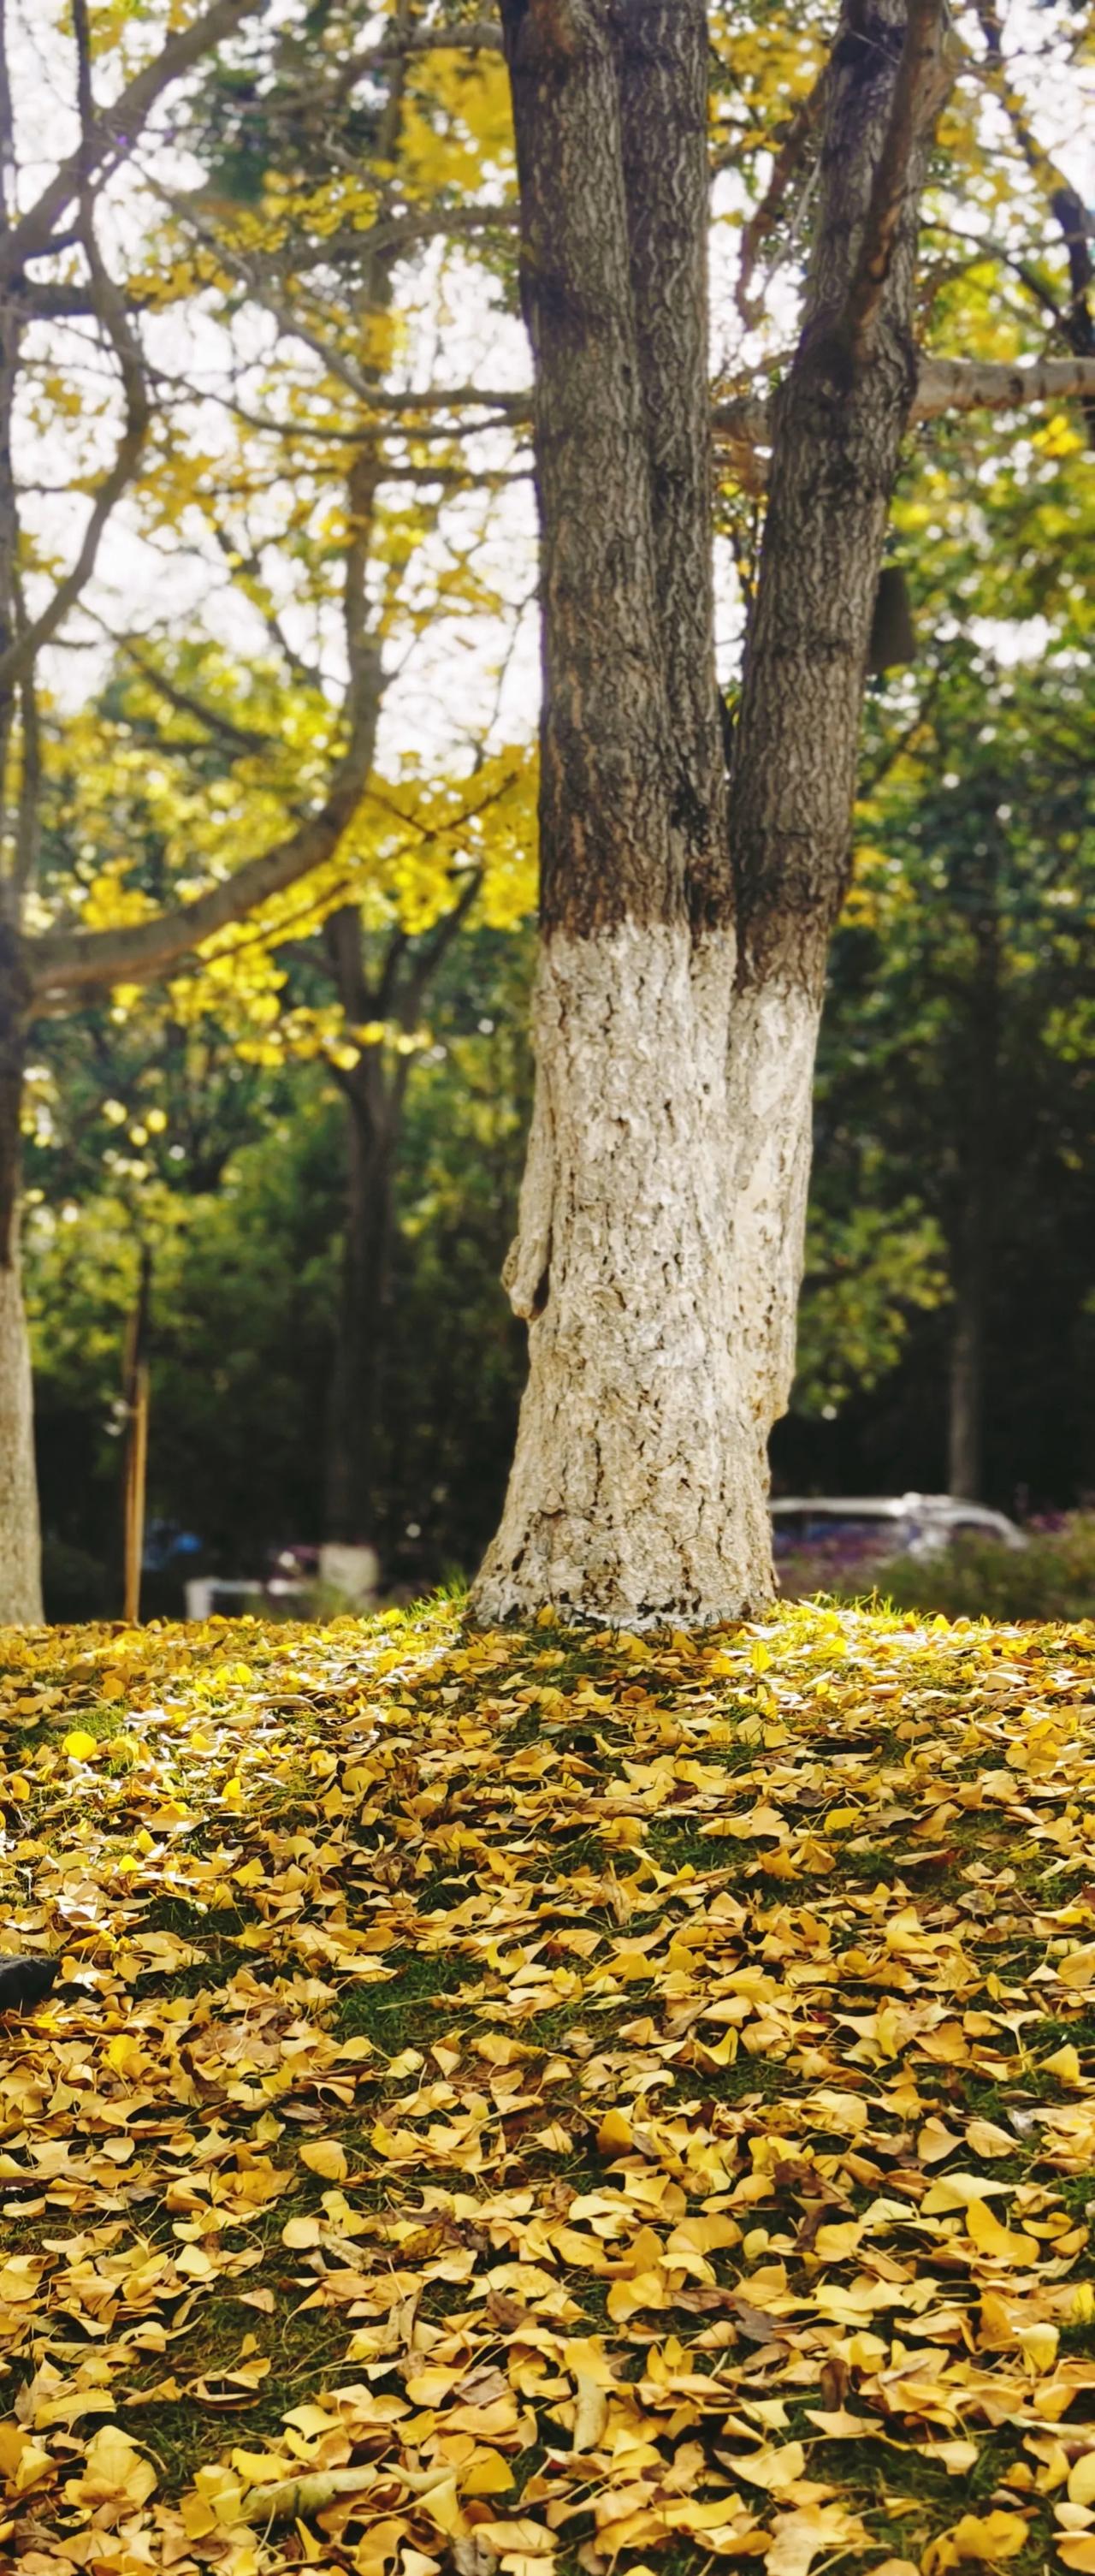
{"x":1053,"y":1577}
{"x":956,"y":1051}
{"x":245,"y":1229}
{"x":867,"y":1270}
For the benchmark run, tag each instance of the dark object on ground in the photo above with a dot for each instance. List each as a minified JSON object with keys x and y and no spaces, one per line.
{"x":25,"y":1981}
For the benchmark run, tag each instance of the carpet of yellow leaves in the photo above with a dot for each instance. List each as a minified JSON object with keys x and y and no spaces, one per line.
{"x":529,"y":2102}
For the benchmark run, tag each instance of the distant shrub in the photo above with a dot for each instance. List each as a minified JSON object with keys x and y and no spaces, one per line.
{"x":1053,"y":1577}
{"x":75,"y":1584}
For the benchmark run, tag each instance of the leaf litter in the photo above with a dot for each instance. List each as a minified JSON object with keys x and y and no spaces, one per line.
{"x":534,"y":2102}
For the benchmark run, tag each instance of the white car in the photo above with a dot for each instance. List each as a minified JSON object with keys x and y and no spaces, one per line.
{"x":884,"y":1524}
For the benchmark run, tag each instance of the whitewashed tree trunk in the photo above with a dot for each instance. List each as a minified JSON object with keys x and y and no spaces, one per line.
{"x":20,"y":1563}
{"x":638,"y":1488}
{"x":684,"y":940}
{"x":770,"y":1076}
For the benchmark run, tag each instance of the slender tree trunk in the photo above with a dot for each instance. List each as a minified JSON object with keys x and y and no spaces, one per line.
{"x":660,"y":1242}
{"x":20,"y":1559}
{"x":364,"y":1291}
{"x":967,"y":1386}
{"x":971,"y":1250}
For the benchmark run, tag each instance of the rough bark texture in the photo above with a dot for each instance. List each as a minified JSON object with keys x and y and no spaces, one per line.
{"x":772,"y":1045}
{"x":607,"y":849}
{"x":20,"y":1555}
{"x":662,"y":59}
{"x":839,"y":420}
{"x":660,"y":1242}
{"x":634,"y":1493}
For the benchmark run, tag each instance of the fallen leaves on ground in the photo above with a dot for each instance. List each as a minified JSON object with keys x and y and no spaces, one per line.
{"x":531,"y":2102}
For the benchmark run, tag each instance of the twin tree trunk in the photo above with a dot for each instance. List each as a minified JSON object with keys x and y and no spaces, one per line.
{"x":659,"y":1251}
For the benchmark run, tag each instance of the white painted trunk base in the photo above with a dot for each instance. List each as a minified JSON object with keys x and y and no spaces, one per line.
{"x":639,"y":1485}
{"x":20,"y":1557}
{"x":770,"y":1087}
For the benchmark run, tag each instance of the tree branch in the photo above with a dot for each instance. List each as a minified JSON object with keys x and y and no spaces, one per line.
{"x":1077,"y":324}
{"x":480,"y":37}
{"x":787,"y":161}
{"x":28,"y":822}
{"x":86,"y":960}
{"x":108,"y":305}
{"x":239,"y":738}
{"x":918,"y":95}
{"x":424,"y":966}
{"x":115,"y":129}
{"x":140,"y":951}
{"x":972,"y":384}
{"x":942,"y":385}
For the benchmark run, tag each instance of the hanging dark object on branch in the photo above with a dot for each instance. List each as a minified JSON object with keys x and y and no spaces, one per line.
{"x":893,"y":635}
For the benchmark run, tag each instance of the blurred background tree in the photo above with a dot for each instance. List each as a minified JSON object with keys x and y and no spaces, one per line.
{"x":329,"y":267}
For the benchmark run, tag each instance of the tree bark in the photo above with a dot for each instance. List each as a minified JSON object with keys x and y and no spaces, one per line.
{"x":660,"y":1238}
{"x":971,"y":1238}
{"x":364,"y":1291}
{"x":20,"y":1555}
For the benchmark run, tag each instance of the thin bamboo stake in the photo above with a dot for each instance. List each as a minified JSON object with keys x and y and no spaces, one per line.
{"x":136,"y":1441}
{"x":136,"y":1468}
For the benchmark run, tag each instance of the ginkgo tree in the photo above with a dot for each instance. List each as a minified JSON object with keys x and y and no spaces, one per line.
{"x":683,"y":946}
{"x":273,"y":787}
{"x":685,"y":928}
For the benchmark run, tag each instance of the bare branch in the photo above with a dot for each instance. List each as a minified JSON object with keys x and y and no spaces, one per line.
{"x":942,"y":385}
{"x":115,"y":129}
{"x":138,"y":952}
{"x":424,"y":966}
{"x":787,"y":161}
{"x":1077,"y":323}
{"x":919,"y":91}
{"x":390,"y":234}
{"x":110,"y":309}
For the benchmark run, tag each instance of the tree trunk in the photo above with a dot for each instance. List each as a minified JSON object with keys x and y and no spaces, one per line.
{"x":20,"y":1557}
{"x":660,"y":1244}
{"x":967,"y":1379}
{"x":635,"y":1493}
{"x":356,"y":1379}
{"x":971,"y":1251}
